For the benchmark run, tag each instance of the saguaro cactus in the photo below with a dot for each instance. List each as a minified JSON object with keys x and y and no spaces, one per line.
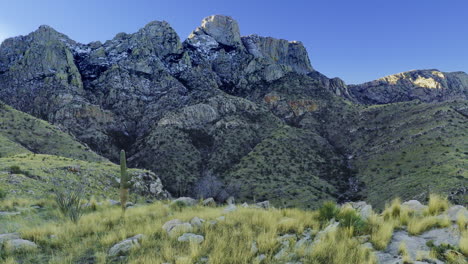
{"x":124,"y":180}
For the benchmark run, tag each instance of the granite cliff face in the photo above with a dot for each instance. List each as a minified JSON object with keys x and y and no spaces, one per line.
{"x":250,"y":111}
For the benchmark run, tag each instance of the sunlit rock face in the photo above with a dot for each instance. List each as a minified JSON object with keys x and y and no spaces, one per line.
{"x":424,"y":85}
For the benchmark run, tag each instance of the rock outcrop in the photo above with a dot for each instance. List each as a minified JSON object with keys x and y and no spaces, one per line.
{"x":424,"y":85}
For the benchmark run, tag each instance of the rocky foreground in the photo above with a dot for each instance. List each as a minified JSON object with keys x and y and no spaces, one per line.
{"x":190,"y":231}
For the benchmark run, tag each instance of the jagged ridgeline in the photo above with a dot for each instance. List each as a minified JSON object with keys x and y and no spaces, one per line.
{"x":249,"y":113}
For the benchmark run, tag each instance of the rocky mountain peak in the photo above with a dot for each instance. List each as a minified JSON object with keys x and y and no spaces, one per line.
{"x":223,"y":29}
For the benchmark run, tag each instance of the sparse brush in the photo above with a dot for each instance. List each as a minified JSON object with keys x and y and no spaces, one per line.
{"x":437,"y":204}
{"x":69,"y":201}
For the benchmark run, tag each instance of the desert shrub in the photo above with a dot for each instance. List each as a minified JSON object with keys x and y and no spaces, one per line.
{"x":439,"y":251}
{"x":69,"y":201}
{"x":328,"y":211}
{"x":437,"y":204}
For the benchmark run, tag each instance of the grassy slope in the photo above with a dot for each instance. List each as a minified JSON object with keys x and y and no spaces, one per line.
{"x":39,"y":172}
{"x":408,"y":149}
{"x":22,"y":133}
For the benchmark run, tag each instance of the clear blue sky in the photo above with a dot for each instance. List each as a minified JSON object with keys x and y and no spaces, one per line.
{"x":357,"y":40}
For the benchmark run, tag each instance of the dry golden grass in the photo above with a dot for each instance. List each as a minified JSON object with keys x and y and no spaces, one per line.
{"x":437,"y":204}
{"x":228,"y":241}
{"x":464,"y":243}
{"x":420,"y":224}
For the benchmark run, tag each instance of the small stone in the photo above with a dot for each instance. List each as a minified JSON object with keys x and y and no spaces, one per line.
{"x":230,"y":208}
{"x":171,"y":224}
{"x":230,"y":200}
{"x":192,"y":238}
{"x":197,"y":222}
{"x":180,"y":229}
{"x":264,"y":205}
{"x":254,"y":248}
{"x":20,"y":245}
{"x":455,"y":211}
{"x":7,"y":237}
{"x":123,"y":248}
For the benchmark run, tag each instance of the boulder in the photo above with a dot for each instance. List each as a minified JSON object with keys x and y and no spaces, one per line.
{"x":187,"y":201}
{"x":123,"y":248}
{"x":230,"y":200}
{"x":180,"y":229}
{"x":20,"y":245}
{"x":414,"y":205}
{"x":230,"y":208}
{"x":263,"y":205}
{"x":364,"y":209}
{"x":209,"y":202}
{"x":190,"y":237}
{"x":455,"y":211}
{"x":171,"y":224}
{"x":197,"y":222}
{"x":7,"y":237}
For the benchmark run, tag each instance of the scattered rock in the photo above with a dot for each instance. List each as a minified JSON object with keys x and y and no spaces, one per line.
{"x":254,"y":248}
{"x":209,"y":202}
{"x":20,"y":245}
{"x":245,"y":205}
{"x":264,"y":205}
{"x":171,"y":224}
{"x":192,"y":238}
{"x":5,"y":214}
{"x":230,"y":200}
{"x":456,"y":210}
{"x":364,"y":209}
{"x":7,"y":237}
{"x":331,"y":227}
{"x":123,"y":248}
{"x":260,"y":258}
{"x":230,"y":208}
{"x":449,"y":235}
{"x":187,"y":201}
{"x":180,"y":229}
{"x":414,"y":205}
{"x":113,"y":202}
{"x":197,"y":222}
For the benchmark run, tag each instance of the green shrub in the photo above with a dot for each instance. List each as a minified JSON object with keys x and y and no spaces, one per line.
{"x":3,"y":194}
{"x":178,"y":206}
{"x":328,"y":211}
{"x":15,"y":169}
{"x":349,"y":218}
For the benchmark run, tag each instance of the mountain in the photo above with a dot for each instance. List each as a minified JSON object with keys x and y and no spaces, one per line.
{"x":246,"y":115}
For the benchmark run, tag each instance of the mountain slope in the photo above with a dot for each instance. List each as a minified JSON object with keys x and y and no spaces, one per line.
{"x":249,"y":111}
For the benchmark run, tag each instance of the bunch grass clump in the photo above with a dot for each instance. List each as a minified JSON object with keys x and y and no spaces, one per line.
{"x":418,"y":225}
{"x":437,"y":204}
